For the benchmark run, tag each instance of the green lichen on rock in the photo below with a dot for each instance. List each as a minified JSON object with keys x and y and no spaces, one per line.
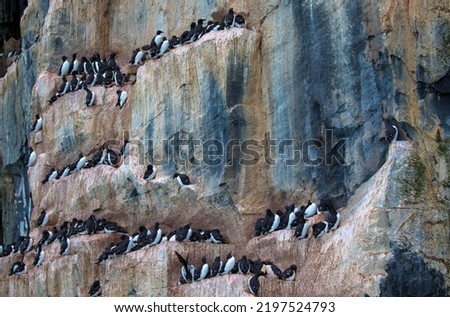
{"x":443,"y":144}
{"x":412,"y":180}
{"x":444,"y":51}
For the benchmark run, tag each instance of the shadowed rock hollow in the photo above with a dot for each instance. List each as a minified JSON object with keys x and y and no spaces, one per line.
{"x":293,"y":114}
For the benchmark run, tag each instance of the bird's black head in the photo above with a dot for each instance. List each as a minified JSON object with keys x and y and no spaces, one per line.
{"x":74,"y":55}
{"x":159,"y":32}
{"x":64,"y":58}
{"x":175,"y":175}
{"x":119,"y":92}
{"x":200,"y":21}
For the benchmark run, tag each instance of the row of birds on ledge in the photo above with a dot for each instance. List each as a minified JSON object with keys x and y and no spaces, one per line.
{"x":147,"y":238}
{"x":106,"y":72}
{"x":299,"y":218}
{"x":103,"y":155}
{"x":190,"y":274}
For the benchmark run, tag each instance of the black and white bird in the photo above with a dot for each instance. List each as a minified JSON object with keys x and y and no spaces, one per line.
{"x":239,"y":21}
{"x":150,"y":173}
{"x":51,"y":175}
{"x":203,"y":270}
{"x":96,"y":289}
{"x":164,"y":47}
{"x":268,"y":221}
{"x":276,"y":221}
{"x":37,"y":125}
{"x":216,"y":266}
{"x":81,"y":162}
{"x":184,"y":233}
{"x":229,"y":18}
{"x":320,"y":228}
{"x":289,"y":273}
{"x":157,"y":39}
{"x":42,"y":219}
{"x":301,"y":231}
{"x":186,"y":272}
{"x":32,"y":157}
{"x":182,"y":179}
{"x":74,"y":65}
{"x":74,"y":83}
{"x":64,"y":68}
{"x":118,"y":76}
{"x":156,"y":234}
{"x":254,"y":284}
{"x":18,"y":268}
{"x":333,"y":219}
{"x":40,"y":256}
{"x":64,"y":247}
{"x":229,"y":264}
{"x":64,"y":87}
{"x":90,"y":97}
{"x":125,"y":150}
{"x":122,"y":96}
{"x":215,"y":236}
{"x":272,"y":270}
{"x":243,"y":265}
{"x":90,"y":225}
{"x":311,"y":210}
{"x":26,"y":245}
{"x":391,"y":133}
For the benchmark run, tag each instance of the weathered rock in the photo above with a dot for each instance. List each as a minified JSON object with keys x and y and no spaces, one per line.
{"x":277,"y":93}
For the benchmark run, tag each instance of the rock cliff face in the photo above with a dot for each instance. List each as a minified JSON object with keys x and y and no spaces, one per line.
{"x":294,"y":114}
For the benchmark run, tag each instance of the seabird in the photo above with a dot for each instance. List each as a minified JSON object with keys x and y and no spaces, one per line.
{"x":40,"y":256}
{"x":64,"y":247}
{"x":17,"y":268}
{"x":164,"y":47}
{"x":81,"y":162}
{"x":320,"y":228}
{"x":239,"y":21}
{"x":276,"y":221}
{"x":229,"y":264}
{"x":95,"y":289}
{"x":229,"y":18}
{"x":203,"y":270}
{"x":243,"y":265}
{"x":26,"y":245}
{"x":43,"y":218}
{"x":184,"y":233}
{"x":391,"y":133}
{"x":253,"y":283}
{"x":216,"y":266}
{"x":150,"y":173}
{"x":289,"y":273}
{"x":272,"y":270}
{"x":37,"y":125}
{"x":333,"y":219}
{"x":311,"y":210}
{"x":157,"y":39}
{"x":32,"y":157}
{"x":90,"y":225}
{"x":258,"y":227}
{"x":301,"y":230}
{"x":182,"y":179}
{"x":63,"y":88}
{"x":51,"y":175}
{"x":215,"y":236}
{"x":90,"y":97}
{"x":64,"y":68}
{"x":185,"y":269}
{"x":156,"y":234}
{"x":125,"y":150}
{"x":118,"y":76}
{"x":268,"y":220}
{"x":74,"y":83}
{"x":122,"y":96}
{"x":74,"y":64}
